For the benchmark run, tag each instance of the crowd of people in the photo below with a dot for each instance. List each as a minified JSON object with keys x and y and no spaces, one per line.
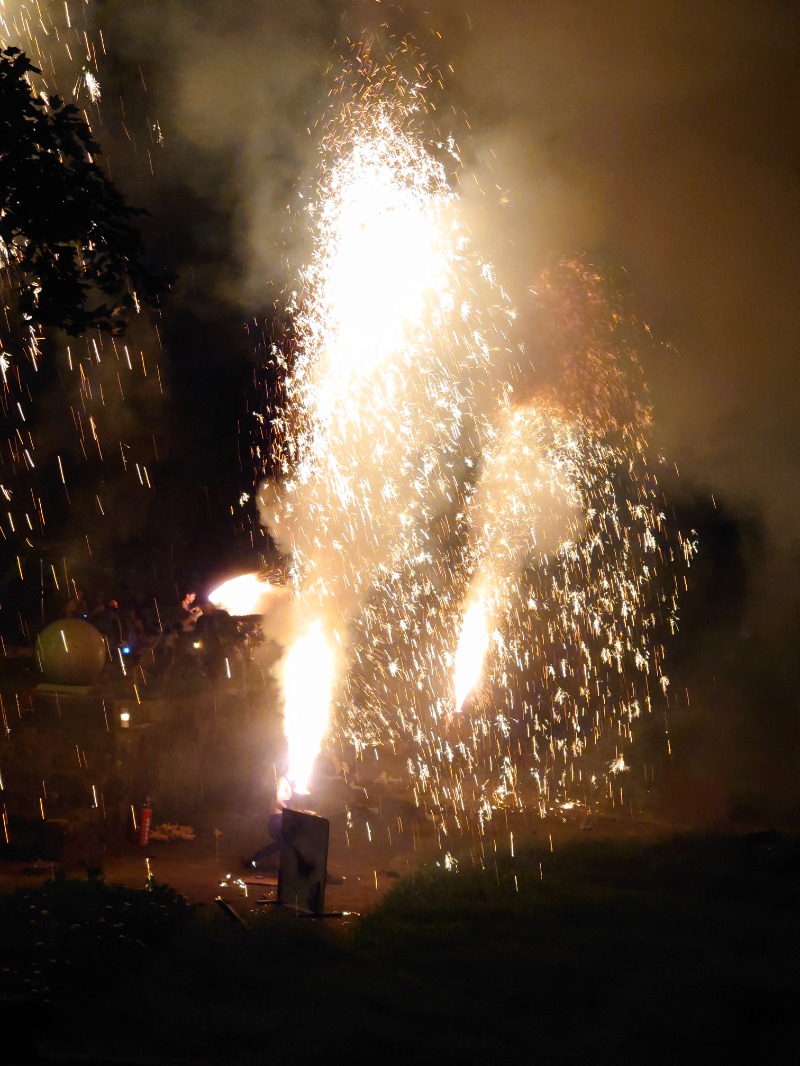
{"x":199,"y":639}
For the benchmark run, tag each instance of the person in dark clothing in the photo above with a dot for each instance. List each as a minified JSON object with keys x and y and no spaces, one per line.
{"x":275,"y":830}
{"x":214,"y":631}
{"x":190,"y":611}
{"x":106,"y":619}
{"x":76,"y":606}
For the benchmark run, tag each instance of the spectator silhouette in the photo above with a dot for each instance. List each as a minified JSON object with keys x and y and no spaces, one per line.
{"x":105,"y":618}
{"x":76,"y":606}
{"x":190,"y":611}
{"x":214,"y":631}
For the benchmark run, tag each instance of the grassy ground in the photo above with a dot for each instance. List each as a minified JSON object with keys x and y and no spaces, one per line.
{"x":679,"y":951}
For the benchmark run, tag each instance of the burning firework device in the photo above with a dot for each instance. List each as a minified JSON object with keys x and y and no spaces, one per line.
{"x":303,"y":861}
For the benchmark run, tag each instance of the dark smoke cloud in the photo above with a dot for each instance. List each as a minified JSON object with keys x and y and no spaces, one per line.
{"x":661,"y":138}
{"x":236,"y":91}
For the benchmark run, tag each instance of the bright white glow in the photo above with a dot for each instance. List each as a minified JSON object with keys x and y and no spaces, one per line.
{"x":284,"y":791}
{"x":242,"y":595}
{"x":472,"y":646}
{"x":618,"y":765}
{"x":308,"y":671}
{"x":387,"y":255}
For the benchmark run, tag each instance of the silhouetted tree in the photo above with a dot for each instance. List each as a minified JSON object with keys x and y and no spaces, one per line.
{"x":68,"y":240}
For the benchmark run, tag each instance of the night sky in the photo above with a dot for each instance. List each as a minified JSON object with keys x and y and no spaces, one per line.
{"x":661,"y":139}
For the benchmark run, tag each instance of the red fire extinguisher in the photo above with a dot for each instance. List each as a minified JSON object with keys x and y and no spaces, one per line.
{"x":144,"y":827}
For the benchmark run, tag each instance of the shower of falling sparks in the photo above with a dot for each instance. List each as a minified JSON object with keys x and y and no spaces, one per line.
{"x":61,"y":40}
{"x":76,"y":452}
{"x":75,"y":455}
{"x":441,"y":533}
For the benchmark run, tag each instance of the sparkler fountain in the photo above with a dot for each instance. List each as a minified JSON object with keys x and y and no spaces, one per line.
{"x":446,"y":537}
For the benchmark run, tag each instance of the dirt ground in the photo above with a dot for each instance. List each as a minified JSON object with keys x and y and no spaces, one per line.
{"x":374,"y":837}
{"x":370,"y":847}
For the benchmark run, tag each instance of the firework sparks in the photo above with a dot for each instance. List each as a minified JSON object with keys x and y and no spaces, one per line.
{"x":384,"y":392}
{"x":422,"y":511}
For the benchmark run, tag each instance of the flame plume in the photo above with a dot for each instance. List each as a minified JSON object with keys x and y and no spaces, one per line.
{"x":307,"y":676}
{"x":472,"y":646}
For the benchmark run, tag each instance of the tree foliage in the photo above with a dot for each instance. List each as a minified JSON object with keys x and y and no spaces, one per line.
{"x":69,"y":241}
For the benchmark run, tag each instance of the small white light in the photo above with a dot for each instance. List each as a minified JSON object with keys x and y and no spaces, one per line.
{"x":125,"y":719}
{"x":284,"y":790}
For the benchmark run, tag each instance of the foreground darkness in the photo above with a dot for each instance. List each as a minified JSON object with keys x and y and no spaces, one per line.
{"x":680,"y":949}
